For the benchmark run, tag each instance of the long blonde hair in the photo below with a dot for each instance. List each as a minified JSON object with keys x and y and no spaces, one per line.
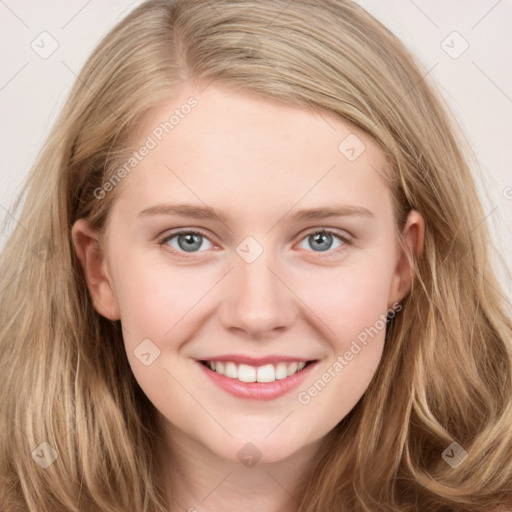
{"x":446,"y":371}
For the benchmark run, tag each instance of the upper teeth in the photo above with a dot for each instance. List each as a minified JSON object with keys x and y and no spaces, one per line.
{"x":247,"y":373}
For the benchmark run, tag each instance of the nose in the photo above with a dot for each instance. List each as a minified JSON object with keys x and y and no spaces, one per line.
{"x":257,"y":301}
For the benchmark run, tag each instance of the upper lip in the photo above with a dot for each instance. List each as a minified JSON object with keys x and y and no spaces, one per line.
{"x":256,"y":361}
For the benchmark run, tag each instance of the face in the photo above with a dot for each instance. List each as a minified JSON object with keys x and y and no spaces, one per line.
{"x":255,"y":240}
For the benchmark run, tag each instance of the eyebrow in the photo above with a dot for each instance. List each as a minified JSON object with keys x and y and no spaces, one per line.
{"x":207,"y":212}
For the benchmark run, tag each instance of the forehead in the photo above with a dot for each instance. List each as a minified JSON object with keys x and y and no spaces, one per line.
{"x":238,"y":151}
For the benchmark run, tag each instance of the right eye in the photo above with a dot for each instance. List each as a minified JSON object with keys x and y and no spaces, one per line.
{"x":185,"y":240}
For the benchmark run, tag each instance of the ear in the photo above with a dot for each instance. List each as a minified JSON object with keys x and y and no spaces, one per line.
{"x":86,"y":240}
{"x":411,"y":245}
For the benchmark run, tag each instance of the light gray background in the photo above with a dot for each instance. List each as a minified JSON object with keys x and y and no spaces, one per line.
{"x":477,"y":84}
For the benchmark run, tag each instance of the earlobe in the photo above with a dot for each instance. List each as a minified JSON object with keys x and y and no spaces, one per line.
{"x":88,"y":250}
{"x":413,"y":236}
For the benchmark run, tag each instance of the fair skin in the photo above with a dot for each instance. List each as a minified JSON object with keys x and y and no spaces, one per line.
{"x":258,"y":163}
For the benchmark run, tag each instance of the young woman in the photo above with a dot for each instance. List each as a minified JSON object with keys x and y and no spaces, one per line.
{"x":253,"y":274}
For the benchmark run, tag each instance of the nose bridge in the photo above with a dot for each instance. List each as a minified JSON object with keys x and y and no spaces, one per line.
{"x":257,"y":300}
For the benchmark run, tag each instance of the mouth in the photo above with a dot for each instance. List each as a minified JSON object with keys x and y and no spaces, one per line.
{"x":265,"y":379}
{"x":264,"y":374}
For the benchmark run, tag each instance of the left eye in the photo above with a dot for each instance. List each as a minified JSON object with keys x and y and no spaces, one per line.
{"x":322,"y":241}
{"x":188,"y":241}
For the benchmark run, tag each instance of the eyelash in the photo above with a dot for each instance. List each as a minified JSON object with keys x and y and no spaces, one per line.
{"x":329,"y":254}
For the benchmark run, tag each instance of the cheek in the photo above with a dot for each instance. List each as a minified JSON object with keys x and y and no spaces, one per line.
{"x":350,"y":299}
{"x":154,"y":297}
{"x":356,"y":334}
{"x":158,"y":303}
{"x":351,"y":304}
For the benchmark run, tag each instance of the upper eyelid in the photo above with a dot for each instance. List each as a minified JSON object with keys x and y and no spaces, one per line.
{"x":332,"y":231}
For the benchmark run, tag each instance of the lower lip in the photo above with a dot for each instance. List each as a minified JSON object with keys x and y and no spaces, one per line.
{"x":258,"y":390}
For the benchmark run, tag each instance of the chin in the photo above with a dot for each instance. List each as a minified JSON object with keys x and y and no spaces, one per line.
{"x":256,"y":450}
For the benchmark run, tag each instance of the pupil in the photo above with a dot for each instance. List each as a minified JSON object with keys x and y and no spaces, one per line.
{"x":192,"y":243}
{"x":320,"y":238}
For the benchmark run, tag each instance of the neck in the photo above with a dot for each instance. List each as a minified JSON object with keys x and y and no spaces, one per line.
{"x":201,"y":481}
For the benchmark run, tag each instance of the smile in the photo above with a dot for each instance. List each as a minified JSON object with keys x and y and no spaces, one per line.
{"x":248,"y":373}
{"x":261,"y":380}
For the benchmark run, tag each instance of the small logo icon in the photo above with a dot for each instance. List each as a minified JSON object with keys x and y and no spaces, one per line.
{"x":44,"y":45}
{"x":147,"y":352}
{"x":454,"y":45}
{"x":45,"y":455}
{"x":454,"y":455}
{"x":249,"y":455}
{"x":44,"y":249}
{"x":249,"y":249}
{"x":250,"y":45}
{"x":351,"y":147}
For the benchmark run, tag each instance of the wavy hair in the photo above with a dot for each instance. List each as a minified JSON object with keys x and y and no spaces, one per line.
{"x":446,"y":370}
